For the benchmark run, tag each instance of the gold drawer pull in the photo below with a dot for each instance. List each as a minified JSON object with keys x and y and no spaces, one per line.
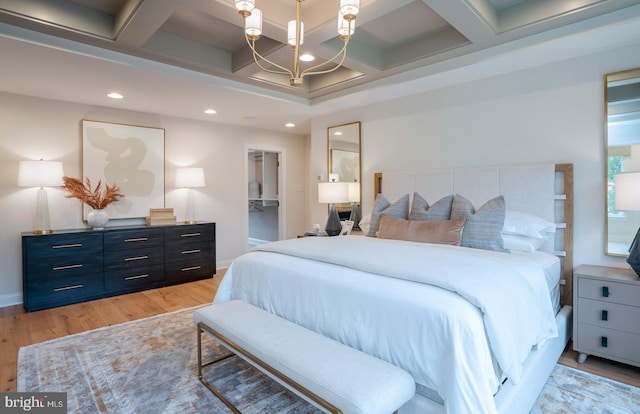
{"x":136,"y":277}
{"x":136,"y":240}
{"x":190,"y":235}
{"x":129,"y":259}
{"x":66,"y":246}
{"x":67,"y":288}
{"x":191,"y":251}
{"x":186,"y":269}
{"x":75,"y":266}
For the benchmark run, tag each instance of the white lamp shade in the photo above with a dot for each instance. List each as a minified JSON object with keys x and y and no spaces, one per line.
{"x":253,"y":23}
{"x":333,"y":192}
{"x":354,"y":192}
{"x":245,"y":5}
{"x":292,"y":33}
{"x":40,"y":174}
{"x":627,"y":191}
{"x":350,"y":8}
{"x":189,"y":177}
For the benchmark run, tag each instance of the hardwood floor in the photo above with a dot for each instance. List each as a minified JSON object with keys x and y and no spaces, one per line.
{"x":19,"y":328}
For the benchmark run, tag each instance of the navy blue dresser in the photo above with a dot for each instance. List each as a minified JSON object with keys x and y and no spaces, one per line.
{"x":73,"y":266}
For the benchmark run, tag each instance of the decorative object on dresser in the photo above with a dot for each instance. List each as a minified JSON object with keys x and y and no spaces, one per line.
{"x":627,"y":198}
{"x":190,"y":178}
{"x":97,"y":198}
{"x":607,"y":314}
{"x":40,"y":174}
{"x":78,"y":265}
{"x":331,"y":193}
{"x":160,"y":217}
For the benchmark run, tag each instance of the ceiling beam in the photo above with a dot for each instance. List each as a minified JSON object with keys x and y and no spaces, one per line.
{"x":138,"y":20}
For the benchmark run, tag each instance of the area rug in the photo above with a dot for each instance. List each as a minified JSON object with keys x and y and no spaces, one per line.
{"x":149,"y":366}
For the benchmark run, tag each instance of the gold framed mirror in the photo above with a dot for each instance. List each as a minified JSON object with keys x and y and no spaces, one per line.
{"x":622,"y":146}
{"x":343,"y":155}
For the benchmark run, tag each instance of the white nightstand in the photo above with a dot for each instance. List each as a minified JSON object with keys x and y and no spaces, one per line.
{"x":606,"y":314}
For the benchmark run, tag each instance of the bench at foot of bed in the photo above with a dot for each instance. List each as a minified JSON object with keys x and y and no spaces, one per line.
{"x":329,"y":374}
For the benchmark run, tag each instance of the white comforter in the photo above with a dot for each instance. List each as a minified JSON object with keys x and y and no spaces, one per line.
{"x":386,"y":298}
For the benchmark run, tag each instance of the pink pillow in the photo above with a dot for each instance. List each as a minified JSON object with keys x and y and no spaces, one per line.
{"x":425,"y":231}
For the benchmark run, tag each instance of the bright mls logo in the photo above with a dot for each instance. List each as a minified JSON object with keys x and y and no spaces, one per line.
{"x":33,"y":402}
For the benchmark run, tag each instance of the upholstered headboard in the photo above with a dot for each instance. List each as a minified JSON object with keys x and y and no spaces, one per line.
{"x":545,"y":190}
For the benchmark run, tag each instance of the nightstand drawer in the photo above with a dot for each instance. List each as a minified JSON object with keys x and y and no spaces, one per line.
{"x":189,"y":234}
{"x":609,"y":315}
{"x":62,"y":245}
{"x":62,"y":291}
{"x":149,"y":276}
{"x":131,"y":258}
{"x":609,"y":343}
{"x":133,"y":239}
{"x":609,"y":291}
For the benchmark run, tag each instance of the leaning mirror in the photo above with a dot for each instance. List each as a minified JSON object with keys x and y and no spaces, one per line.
{"x":343,"y":153}
{"x":622,"y":139}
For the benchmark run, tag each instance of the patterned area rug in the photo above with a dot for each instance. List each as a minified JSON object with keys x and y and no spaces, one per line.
{"x":149,"y":366}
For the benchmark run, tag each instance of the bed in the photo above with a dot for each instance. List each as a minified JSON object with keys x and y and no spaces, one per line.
{"x":479,"y":329}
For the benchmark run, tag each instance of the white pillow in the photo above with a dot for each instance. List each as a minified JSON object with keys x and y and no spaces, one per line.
{"x":521,"y":243}
{"x":525,"y":224}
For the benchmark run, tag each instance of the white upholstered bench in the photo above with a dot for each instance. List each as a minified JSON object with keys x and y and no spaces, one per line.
{"x":338,"y":378}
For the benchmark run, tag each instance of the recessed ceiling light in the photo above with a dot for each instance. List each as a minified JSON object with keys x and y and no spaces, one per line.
{"x":249,"y":118}
{"x":115,"y":95}
{"x":210,"y":111}
{"x":307,"y":58}
{"x":290,"y":125}
{"x":337,"y":133}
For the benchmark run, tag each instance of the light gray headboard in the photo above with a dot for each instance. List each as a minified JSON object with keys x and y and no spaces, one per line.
{"x":542,"y":189}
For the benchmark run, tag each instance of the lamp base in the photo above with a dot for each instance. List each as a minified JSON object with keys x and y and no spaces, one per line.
{"x":190,"y":221}
{"x":333,"y":226}
{"x":42,"y":231}
{"x":633,"y":259}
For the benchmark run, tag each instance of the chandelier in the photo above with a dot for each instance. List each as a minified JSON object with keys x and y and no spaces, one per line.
{"x":295,"y":37}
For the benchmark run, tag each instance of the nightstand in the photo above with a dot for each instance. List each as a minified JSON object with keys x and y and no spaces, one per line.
{"x":606,"y":314}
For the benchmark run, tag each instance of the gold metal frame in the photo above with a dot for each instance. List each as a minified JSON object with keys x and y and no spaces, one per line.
{"x":253,"y":360}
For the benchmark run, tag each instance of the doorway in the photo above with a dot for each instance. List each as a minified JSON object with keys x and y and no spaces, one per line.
{"x":264,"y":195}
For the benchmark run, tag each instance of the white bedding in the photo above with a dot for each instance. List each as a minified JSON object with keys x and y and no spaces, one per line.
{"x":435,"y":334}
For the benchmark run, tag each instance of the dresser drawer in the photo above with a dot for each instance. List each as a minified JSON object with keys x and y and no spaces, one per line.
{"x":133,"y":239}
{"x":133,"y":279}
{"x":56,"y":292}
{"x":60,"y":267}
{"x":189,"y":270}
{"x":189,"y":234}
{"x":62,"y":245}
{"x":190,"y":251}
{"x":609,"y":315}
{"x":133,"y":258}
{"x":609,"y":291}
{"x":609,"y":343}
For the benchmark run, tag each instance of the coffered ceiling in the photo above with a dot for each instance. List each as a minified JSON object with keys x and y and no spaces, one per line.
{"x":394,"y":40}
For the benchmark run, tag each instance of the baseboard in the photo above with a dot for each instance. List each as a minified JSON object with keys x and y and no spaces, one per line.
{"x":11,"y":299}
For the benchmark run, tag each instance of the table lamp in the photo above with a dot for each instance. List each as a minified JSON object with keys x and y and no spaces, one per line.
{"x":41,"y":174}
{"x":190,"y":178}
{"x":333,"y":192}
{"x":354,"y":198}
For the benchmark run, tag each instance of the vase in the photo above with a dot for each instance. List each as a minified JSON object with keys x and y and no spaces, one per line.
{"x":97,"y":219}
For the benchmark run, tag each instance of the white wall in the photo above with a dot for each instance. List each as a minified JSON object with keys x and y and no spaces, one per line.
{"x":33,"y":128}
{"x":552,"y":113}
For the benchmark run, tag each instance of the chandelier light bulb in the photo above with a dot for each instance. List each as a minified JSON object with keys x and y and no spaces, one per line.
{"x":292,"y":32}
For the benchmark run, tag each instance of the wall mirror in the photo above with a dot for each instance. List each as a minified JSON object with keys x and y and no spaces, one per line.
{"x":343,"y":154}
{"x":622,"y":145}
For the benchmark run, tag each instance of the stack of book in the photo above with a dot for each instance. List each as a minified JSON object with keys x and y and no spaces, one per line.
{"x":160,"y":217}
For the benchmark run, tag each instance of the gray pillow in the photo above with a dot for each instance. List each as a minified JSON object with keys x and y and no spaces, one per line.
{"x":399,"y":209}
{"x":439,"y":211}
{"x":483,"y":229}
